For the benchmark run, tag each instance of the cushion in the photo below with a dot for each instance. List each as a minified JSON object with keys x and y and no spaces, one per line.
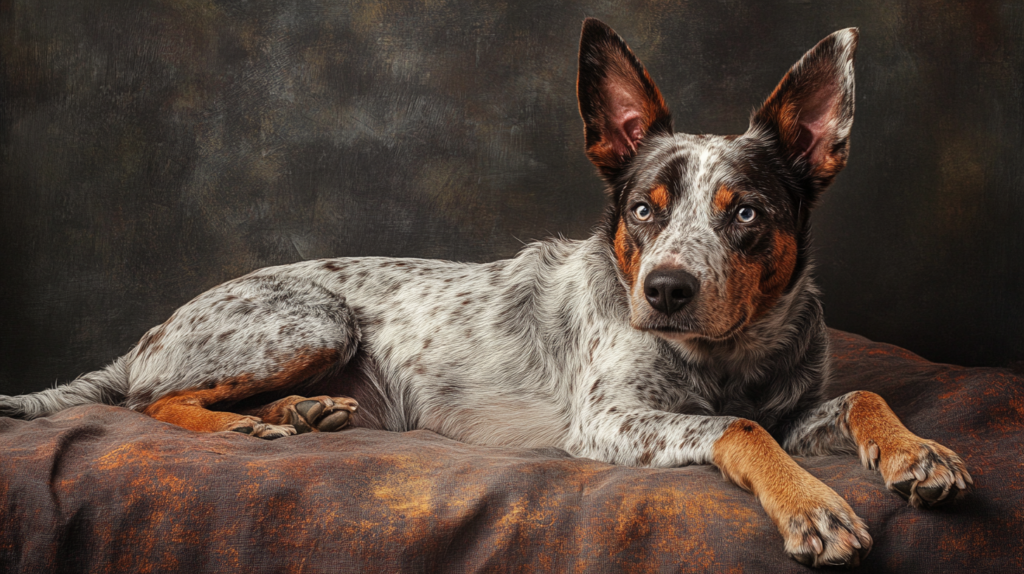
{"x":104,"y":489}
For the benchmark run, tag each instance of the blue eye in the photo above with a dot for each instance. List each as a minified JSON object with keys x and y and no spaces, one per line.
{"x":642,"y":212}
{"x":746,"y":214}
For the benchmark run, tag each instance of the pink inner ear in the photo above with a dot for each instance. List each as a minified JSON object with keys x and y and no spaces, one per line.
{"x":816,"y":119}
{"x":625,"y":122}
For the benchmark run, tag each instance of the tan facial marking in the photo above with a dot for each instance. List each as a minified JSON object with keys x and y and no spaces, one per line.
{"x":755,"y":286}
{"x":626,"y":253}
{"x":780,"y":269}
{"x":659,"y":197}
{"x":723,"y":198}
{"x":741,"y":289}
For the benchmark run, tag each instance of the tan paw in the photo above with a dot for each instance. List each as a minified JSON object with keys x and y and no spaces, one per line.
{"x":922,"y":471}
{"x":824,"y":532}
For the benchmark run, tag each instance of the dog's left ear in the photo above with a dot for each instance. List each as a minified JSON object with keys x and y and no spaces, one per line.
{"x":810,"y":113}
{"x":619,"y":102}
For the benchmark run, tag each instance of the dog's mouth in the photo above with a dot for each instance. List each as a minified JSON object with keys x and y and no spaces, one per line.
{"x":686,"y":329}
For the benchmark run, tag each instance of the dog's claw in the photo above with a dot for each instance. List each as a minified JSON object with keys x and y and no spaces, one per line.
{"x":903,"y":488}
{"x":271,"y":432}
{"x":806,"y":558}
{"x":815,"y":543}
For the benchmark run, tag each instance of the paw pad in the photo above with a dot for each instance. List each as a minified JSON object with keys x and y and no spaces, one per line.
{"x":322,"y":414}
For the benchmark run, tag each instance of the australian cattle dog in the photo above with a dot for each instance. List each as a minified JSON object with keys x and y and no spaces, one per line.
{"x":686,"y":330}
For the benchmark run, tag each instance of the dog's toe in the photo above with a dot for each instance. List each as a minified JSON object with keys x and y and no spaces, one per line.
{"x":271,"y":432}
{"x":322,"y":414}
{"x":310,"y":409}
{"x":335,"y":421}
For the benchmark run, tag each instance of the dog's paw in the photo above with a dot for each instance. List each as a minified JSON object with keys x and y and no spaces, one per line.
{"x":323,"y":414}
{"x":922,"y":471}
{"x":824,"y":532}
{"x":254,"y":426}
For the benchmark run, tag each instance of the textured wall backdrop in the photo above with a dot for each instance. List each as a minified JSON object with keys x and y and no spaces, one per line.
{"x":152,"y":149}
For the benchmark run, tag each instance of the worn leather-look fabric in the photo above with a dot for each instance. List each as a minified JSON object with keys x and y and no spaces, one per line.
{"x":103,"y":489}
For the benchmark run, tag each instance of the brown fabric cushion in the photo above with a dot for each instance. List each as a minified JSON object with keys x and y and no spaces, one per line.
{"x":102,"y":489}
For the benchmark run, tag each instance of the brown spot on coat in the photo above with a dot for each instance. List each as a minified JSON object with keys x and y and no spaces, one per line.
{"x":150,"y":339}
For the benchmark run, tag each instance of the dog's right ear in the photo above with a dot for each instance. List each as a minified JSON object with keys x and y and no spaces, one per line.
{"x":619,"y":102}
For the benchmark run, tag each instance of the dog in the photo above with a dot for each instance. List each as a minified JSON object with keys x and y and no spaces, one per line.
{"x":686,"y":330}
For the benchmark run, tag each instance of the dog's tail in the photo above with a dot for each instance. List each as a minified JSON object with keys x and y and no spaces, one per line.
{"x":108,"y":385}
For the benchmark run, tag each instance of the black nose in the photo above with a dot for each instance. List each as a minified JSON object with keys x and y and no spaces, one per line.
{"x":669,"y":290}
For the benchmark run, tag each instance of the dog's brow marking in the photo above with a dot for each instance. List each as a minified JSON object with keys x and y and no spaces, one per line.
{"x":723,"y":198}
{"x":659,"y":196}
{"x":626,"y":253}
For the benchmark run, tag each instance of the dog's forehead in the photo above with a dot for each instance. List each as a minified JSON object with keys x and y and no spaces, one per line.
{"x":693,"y":165}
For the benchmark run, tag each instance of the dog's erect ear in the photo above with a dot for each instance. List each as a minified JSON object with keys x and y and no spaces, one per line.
{"x":619,"y":103}
{"x":810,"y":113}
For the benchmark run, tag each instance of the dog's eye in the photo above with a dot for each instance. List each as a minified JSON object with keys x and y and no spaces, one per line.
{"x":642,"y":212}
{"x":746,"y":214}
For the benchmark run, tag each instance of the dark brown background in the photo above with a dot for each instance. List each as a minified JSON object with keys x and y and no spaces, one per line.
{"x":150,"y":150}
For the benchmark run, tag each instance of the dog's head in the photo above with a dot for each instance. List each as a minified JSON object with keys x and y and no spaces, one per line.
{"x":709,"y":231}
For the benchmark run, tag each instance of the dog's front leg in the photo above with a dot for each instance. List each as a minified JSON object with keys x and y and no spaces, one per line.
{"x":920,"y":470}
{"x":818,"y":526}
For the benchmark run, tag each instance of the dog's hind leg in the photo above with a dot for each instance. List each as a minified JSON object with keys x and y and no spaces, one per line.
{"x":190,"y":408}
{"x":259,"y":335}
